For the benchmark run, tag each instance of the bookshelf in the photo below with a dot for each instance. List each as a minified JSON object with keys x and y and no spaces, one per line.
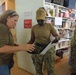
{"x":66,"y":28}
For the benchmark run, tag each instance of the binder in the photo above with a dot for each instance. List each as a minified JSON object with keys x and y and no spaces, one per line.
{"x":50,"y":45}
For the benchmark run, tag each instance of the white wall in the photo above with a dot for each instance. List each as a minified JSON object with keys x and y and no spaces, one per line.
{"x":23,"y":35}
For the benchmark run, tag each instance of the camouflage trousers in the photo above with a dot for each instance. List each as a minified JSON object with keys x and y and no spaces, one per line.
{"x":73,"y":59}
{"x":48,"y":59}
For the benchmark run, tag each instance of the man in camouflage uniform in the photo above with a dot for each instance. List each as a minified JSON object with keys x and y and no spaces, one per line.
{"x":73,"y":54}
{"x":40,"y":36}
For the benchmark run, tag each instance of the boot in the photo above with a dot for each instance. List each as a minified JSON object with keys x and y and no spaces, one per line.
{"x":73,"y":73}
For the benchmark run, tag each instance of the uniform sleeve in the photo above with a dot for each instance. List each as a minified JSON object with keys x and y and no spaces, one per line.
{"x":53,"y":30}
{"x":3,"y":36}
{"x":32,"y":36}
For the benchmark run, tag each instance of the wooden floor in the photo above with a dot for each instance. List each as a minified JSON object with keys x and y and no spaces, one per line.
{"x":61,"y":68}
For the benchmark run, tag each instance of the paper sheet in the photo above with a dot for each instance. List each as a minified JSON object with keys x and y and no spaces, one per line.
{"x":48,"y":47}
{"x":58,"y":21}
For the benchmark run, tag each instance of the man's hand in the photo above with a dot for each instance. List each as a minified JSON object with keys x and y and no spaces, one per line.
{"x":54,"y":41}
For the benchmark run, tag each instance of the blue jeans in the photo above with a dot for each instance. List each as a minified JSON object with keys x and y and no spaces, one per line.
{"x":4,"y":70}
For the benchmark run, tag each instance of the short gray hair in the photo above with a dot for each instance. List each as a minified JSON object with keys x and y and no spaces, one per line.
{"x":3,"y":16}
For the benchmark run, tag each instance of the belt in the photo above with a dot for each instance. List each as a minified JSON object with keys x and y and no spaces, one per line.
{"x":42,"y":45}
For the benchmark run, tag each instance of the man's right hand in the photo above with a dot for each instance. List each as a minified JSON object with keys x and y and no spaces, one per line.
{"x":55,"y":41}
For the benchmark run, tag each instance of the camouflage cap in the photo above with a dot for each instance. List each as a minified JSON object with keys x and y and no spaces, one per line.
{"x":40,"y":14}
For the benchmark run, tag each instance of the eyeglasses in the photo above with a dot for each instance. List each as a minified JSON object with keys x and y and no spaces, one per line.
{"x":13,"y":14}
